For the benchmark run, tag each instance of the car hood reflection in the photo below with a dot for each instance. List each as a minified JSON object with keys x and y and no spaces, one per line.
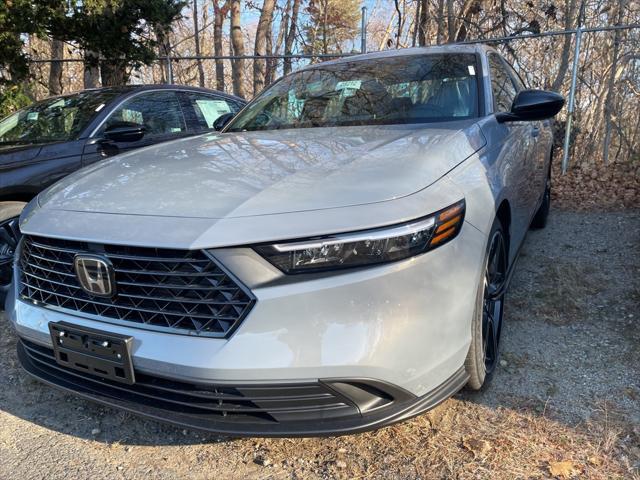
{"x":259,"y":173}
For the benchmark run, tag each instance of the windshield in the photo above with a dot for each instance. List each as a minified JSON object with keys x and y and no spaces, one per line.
{"x":399,"y":89}
{"x":53,"y":120}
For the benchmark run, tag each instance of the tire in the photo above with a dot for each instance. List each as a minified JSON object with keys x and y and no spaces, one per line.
{"x":540,"y":218}
{"x":486,"y":325}
{"x":9,"y":237}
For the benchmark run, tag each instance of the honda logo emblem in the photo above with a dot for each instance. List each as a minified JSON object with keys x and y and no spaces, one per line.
{"x":95,"y":274}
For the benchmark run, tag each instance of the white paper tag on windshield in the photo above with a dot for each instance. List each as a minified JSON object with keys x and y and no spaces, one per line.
{"x":212,"y":109}
{"x":472,"y":70}
{"x":354,"y":84}
{"x":32,"y":116}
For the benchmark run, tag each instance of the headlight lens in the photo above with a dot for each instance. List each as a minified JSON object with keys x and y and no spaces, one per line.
{"x":367,"y":247}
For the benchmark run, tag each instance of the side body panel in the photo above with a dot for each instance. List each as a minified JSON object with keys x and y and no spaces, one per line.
{"x":32,"y":175}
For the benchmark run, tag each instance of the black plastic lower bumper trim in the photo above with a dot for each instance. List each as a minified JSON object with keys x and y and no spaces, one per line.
{"x":319,"y":422}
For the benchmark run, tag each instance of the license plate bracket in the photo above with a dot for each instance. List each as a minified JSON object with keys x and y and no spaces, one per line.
{"x":103,"y":354}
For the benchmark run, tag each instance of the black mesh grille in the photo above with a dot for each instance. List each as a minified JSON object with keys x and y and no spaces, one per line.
{"x":184,"y":291}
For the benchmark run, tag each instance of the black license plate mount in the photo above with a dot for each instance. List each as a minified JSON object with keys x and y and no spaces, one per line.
{"x":103,"y":354}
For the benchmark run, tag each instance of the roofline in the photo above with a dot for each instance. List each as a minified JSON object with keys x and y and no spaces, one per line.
{"x":399,"y":52}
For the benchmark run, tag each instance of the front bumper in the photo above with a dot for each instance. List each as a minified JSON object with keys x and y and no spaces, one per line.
{"x":319,"y":409}
{"x":401,"y":329}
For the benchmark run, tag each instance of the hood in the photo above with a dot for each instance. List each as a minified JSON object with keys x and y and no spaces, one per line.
{"x":269,"y":172}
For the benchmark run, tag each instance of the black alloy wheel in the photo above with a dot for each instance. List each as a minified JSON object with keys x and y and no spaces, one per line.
{"x":493,"y":300}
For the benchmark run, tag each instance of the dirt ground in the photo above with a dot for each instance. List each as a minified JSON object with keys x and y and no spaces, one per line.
{"x":565,"y":402}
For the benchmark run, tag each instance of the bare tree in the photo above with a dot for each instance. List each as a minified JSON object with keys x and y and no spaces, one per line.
{"x":451,"y":24}
{"x":569,"y":17}
{"x":219,"y":15}
{"x":423,"y":23}
{"x":400,"y":22}
{"x":272,"y":63}
{"x":440,"y":32}
{"x":611,"y":83}
{"x":237,"y":43}
{"x":262,"y":33}
{"x":291,"y":35}
{"x":196,"y":41}
{"x":55,"y":71}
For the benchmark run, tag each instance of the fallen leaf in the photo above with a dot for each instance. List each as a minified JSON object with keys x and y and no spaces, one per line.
{"x":595,"y":461}
{"x":565,"y":469}
{"x":475,"y":446}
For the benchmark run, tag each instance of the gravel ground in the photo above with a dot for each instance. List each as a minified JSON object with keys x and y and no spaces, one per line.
{"x":565,"y":402}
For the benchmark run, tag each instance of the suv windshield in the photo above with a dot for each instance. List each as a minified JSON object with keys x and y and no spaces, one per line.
{"x":53,"y":120}
{"x":399,"y":89}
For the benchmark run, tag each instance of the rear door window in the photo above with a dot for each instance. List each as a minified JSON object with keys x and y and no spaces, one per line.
{"x":202,"y":110}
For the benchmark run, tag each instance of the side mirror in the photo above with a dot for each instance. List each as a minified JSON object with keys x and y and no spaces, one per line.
{"x":124,"y":132}
{"x":221,"y":122}
{"x":532,"y":105}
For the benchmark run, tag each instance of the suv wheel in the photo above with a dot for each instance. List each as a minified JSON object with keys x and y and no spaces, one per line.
{"x":9,"y":237}
{"x":486,"y":325}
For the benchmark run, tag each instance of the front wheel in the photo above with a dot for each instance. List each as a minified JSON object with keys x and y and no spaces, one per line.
{"x":486,"y":325}
{"x":9,"y":238}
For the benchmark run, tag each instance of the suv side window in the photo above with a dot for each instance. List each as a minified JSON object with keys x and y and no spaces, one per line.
{"x":159,"y":112}
{"x":201,"y":109}
{"x":504,"y":91}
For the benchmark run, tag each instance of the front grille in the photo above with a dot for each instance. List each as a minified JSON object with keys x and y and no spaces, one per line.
{"x":182,"y":291}
{"x":265,"y":404}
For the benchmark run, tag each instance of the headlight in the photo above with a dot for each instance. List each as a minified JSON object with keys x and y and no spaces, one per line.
{"x":367,"y":247}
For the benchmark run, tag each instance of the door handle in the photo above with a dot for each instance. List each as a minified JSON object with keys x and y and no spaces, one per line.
{"x":535,"y":131}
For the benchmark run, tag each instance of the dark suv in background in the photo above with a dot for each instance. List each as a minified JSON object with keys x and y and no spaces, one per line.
{"x":52,"y":138}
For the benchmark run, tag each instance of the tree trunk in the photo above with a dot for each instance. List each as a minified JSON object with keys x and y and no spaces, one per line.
{"x":291,"y":36}
{"x":219,"y":14}
{"x":263,"y":31}
{"x":423,"y":24}
{"x":451,"y":24}
{"x":237,"y":43}
{"x":164,"y":51}
{"x":196,"y":41}
{"x":55,"y":71}
{"x":569,"y":14}
{"x":397,"y":5}
{"x":440,"y":32}
{"x":611,"y":83}
{"x":113,"y":73}
{"x":91,"y":75}
{"x":272,"y":64}
{"x":325,"y":22}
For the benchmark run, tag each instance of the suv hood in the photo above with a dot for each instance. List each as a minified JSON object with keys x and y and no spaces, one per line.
{"x":269,"y":172}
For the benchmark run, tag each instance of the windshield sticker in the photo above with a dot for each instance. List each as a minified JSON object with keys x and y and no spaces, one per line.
{"x":349,"y":84}
{"x":32,"y":116}
{"x":472,"y":70}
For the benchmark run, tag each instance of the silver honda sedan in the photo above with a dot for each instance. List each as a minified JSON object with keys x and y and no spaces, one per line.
{"x":334,"y":260}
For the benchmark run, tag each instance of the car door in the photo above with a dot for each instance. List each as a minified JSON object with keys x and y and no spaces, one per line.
{"x":541,"y":137}
{"x":201,"y":109}
{"x":516,"y":150}
{"x":158,"y":111}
